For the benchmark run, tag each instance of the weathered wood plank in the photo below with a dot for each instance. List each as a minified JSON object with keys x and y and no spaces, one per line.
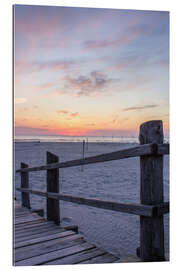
{"x":19,"y":210}
{"x":44,"y":238}
{"x":140,"y":150}
{"x":25,"y":216}
{"x":32,"y":231}
{"x":79,"y":257}
{"x":41,"y":220}
{"x":21,"y":214}
{"x":32,"y":236}
{"x":38,"y":260}
{"x":48,"y":246}
{"x":33,"y":216}
{"x":30,"y":226}
{"x":163,"y":209}
{"x":151,"y":168}
{"x":25,"y":184}
{"x":36,"y":243}
{"x":136,"y":209}
{"x":128,"y":259}
{"x":53,"y":211}
{"x":106,"y":258}
{"x":39,"y":212}
{"x":71,"y":227}
{"x":28,"y":219}
{"x":163,"y":149}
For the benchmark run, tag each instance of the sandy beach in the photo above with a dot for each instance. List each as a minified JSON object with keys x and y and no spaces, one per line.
{"x":118,"y":181}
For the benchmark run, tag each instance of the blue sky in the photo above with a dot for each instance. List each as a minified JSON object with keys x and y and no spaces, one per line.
{"x":86,"y":71}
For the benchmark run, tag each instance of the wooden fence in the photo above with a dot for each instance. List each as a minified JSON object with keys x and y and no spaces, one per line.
{"x":152,"y":206}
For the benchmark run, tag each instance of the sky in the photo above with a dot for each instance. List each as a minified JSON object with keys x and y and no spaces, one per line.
{"x":89,"y":72}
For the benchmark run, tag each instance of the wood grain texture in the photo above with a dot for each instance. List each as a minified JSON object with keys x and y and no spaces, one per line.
{"x":33,"y":245}
{"x":30,"y":226}
{"x":38,"y":260}
{"x":48,"y":246}
{"x":136,"y":209}
{"x":151,"y":170}
{"x":25,"y":184}
{"x":53,"y":211}
{"x":105,"y":258}
{"x":79,"y":257}
{"x":43,"y":239}
{"x":37,"y":235}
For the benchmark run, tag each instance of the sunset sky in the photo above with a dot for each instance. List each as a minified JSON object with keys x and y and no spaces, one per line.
{"x":85,"y":71}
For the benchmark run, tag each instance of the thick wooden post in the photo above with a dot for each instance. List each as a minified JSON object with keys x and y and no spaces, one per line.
{"x":151,"y":229}
{"x":53,"y":211}
{"x":25,"y":184}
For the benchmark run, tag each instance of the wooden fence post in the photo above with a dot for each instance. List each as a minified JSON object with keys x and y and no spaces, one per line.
{"x":25,"y":184}
{"x":151,"y":229}
{"x":53,"y":211}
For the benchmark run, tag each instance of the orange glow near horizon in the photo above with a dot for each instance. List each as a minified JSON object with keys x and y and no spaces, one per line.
{"x":80,"y":128}
{"x":77,"y":73}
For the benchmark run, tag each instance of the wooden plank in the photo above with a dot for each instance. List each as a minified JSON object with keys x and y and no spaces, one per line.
{"x":21,"y":210}
{"x":20,"y":214}
{"x":128,"y":259}
{"x":25,"y":184}
{"x":79,"y":257}
{"x":32,"y":231}
{"x":151,"y":168}
{"x":136,"y":151}
{"x":43,"y":239}
{"x":35,"y":231}
{"x":71,"y":227}
{"x":53,"y":211}
{"x":26,"y":219}
{"x":49,"y":232}
{"x":41,"y":220}
{"x":38,"y":260}
{"x":163,"y":209}
{"x":163,"y":149}
{"x":26,"y":216}
{"x":48,"y":246}
{"x":23,"y":227}
{"x":28,"y":226}
{"x":106,"y":258}
{"x":39,"y":212}
{"x":136,"y":209}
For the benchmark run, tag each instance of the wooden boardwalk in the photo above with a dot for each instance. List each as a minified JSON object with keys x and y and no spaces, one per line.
{"x":41,"y":242}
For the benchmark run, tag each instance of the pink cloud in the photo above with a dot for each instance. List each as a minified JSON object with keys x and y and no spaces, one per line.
{"x":74,"y":114}
{"x":21,"y":67}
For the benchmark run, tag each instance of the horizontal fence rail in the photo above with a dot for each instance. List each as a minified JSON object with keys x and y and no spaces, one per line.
{"x":141,"y":150}
{"x":136,"y":209}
